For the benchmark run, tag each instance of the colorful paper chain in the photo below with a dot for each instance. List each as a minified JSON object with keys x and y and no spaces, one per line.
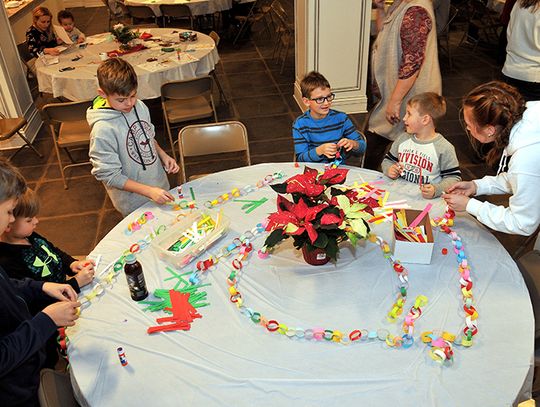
{"x":237,"y":192}
{"x":137,"y":224}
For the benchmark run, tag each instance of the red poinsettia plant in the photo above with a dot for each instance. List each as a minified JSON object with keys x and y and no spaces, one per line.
{"x":321,"y":214}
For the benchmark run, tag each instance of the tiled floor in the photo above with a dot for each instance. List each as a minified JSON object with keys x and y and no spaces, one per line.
{"x":259,"y":96}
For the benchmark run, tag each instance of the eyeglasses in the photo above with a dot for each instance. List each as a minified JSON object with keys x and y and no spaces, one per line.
{"x":321,"y":100}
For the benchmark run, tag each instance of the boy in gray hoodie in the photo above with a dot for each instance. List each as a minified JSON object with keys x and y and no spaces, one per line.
{"x":123,"y":151}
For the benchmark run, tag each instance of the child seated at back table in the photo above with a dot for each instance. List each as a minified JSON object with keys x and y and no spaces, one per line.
{"x":123,"y":151}
{"x":67,"y":21}
{"x":320,"y":133}
{"x":421,"y":155}
{"x":26,"y":254}
{"x":23,"y":335}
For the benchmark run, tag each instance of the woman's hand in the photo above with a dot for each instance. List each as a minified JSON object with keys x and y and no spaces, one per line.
{"x":456,"y":202}
{"x":51,"y":51}
{"x":392,"y":112}
{"x":467,"y":188}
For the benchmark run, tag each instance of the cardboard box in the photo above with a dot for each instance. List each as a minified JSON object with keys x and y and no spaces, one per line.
{"x":414,"y":252}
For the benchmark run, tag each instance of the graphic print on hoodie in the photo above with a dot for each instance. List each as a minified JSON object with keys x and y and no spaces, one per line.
{"x":122,"y":147}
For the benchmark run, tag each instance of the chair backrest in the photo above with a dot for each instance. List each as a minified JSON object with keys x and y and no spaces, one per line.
{"x":215,"y":36}
{"x":529,"y":265}
{"x":23,"y":52}
{"x":187,"y":89}
{"x":66,"y":112}
{"x":215,"y":138}
{"x":141,"y":12}
{"x":454,"y":11}
{"x":175,"y":10}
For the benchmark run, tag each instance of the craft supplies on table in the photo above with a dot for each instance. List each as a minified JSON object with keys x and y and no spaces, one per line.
{"x":188,"y":238}
{"x":412,"y":236}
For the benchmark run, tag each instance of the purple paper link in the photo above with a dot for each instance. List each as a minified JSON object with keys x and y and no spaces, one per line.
{"x":419,"y":218}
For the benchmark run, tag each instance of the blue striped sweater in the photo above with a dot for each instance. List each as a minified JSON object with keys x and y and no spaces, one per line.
{"x":309,"y":133}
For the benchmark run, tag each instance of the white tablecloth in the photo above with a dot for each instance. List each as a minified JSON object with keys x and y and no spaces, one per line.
{"x":81,"y":83}
{"x":197,"y":7}
{"x":227,"y":360}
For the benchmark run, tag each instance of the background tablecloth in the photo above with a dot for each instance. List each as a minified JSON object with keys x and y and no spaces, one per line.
{"x":225,"y":359}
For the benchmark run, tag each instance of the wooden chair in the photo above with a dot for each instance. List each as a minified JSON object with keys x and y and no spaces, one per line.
{"x":216,"y":139}
{"x":142,"y":13}
{"x":10,"y":127}
{"x":177,"y":12}
{"x":187,"y":100}
{"x":69,"y":130}
{"x":443,"y":38}
{"x":55,"y":389}
{"x":215,"y":36}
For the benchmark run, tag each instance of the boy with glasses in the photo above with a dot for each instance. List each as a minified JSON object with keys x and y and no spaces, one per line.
{"x":321,"y":133}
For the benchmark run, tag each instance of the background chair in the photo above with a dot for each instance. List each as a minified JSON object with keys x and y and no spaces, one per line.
{"x":214,"y":146}
{"x":55,"y":389}
{"x":177,"y":12}
{"x":482,"y":22}
{"x":69,"y":130}
{"x":259,"y":11}
{"x":285,"y":34}
{"x":215,"y":36}
{"x":114,"y":11}
{"x":187,"y":100}
{"x":529,"y":265}
{"x":11,"y":127}
{"x":140,"y":16}
{"x":443,"y":38}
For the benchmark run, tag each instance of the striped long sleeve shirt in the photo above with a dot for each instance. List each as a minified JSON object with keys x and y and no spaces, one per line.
{"x":309,"y":133}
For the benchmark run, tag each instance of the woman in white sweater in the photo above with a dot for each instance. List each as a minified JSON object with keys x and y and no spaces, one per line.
{"x":522,"y":66}
{"x":496,"y":113}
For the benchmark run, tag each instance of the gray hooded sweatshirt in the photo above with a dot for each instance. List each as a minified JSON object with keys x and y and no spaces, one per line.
{"x":122,"y":147}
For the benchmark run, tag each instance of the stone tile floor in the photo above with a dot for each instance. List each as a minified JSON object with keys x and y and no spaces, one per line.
{"x":259,"y":96}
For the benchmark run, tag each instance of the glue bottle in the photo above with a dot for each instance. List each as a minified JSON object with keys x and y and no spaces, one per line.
{"x":135,"y":278}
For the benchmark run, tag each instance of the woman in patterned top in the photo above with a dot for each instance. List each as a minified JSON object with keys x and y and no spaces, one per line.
{"x":40,"y":36}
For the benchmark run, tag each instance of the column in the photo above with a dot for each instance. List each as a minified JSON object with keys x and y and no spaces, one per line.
{"x":332,"y":37}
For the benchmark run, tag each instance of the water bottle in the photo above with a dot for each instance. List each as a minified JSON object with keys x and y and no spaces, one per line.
{"x":135,"y":278}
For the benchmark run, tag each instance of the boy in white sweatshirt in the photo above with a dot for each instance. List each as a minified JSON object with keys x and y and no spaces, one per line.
{"x":123,"y":151}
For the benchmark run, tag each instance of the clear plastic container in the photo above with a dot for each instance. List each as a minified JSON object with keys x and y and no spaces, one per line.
{"x":168,"y":244}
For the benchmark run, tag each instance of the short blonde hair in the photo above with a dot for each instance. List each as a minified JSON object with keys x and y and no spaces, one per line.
{"x":429,"y":103}
{"x":40,"y":12}
{"x":117,"y":76}
{"x":27,"y":205}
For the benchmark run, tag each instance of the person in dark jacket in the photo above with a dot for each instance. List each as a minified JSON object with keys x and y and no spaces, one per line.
{"x":23,"y":336}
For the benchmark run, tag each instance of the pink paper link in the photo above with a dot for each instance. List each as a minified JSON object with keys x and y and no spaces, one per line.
{"x":419,"y":218}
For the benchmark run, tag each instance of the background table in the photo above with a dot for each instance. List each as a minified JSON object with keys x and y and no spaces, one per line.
{"x":81,"y":83}
{"x":197,"y":7}
{"x":225,"y":359}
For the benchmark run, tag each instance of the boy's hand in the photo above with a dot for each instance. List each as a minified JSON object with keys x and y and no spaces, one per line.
{"x":347,"y":144}
{"x":467,"y":188}
{"x":63,"y":313}
{"x":62,"y":292}
{"x":428,"y":191}
{"x":456,"y":201}
{"x":159,"y":196}
{"x":85,"y":271}
{"x":327,"y":149}
{"x":395,"y":170}
{"x":80,"y":40}
{"x":170,"y":165}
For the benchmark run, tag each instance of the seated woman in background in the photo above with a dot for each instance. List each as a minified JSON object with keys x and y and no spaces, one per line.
{"x":40,"y":36}
{"x":495,"y":112}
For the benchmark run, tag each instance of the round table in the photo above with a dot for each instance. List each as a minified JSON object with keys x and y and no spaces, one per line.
{"x":197,"y":7}
{"x":226,"y":359}
{"x":81,"y":83}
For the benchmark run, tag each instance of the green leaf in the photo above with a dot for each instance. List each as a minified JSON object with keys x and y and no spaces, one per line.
{"x":332,"y":249}
{"x":275,"y":237}
{"x":353,"y":238}
{"x":359,"y":227}
{"x":321,"y":241}
{"x":344,"y":203}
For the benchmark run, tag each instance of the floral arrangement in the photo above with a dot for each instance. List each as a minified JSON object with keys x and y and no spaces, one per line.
{"x":320,"y":215}
{"x":123,"y":34}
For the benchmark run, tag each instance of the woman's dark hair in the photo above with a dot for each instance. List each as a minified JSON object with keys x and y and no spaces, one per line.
{"x":497,"y":104}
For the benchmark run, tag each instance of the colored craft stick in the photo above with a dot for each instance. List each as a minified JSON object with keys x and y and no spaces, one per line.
{"x":419,"y":218}
{"x":192,"y":193}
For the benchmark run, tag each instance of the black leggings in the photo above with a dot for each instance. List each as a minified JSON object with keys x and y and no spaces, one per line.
{"x":529,"y":90}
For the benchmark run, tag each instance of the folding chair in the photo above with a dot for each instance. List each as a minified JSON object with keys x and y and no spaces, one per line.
{"x":216,"y":139}
{"x":114,"y":11}
{"x":482,"y":22}
{"x":215,"y":36}
{"x":176,"y":11}
{"x":11,"y":127}
{"x":285,"y":37}
{"x":443,"y":38}
{"x":258,"y":11}
{"x":187,"y":100}
{"x":143,"y":13}
{"x":55,"y":389}
{"x":69,"y":130}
